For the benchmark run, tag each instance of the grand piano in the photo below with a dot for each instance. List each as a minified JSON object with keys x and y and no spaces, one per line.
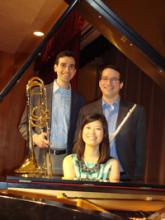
{"x":24,"y":196}
{"x":54,"y":198}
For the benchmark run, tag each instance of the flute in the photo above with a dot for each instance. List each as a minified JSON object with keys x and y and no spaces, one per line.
{"x":113,"y":135}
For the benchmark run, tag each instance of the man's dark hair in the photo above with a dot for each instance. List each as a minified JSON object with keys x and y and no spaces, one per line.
{"x":109,"y":66}
{"x":66,"y":53}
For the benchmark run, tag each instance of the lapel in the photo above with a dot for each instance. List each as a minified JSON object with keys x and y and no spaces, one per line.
{"x":73,"y":102}
{"x":99,"y":106}
{"x":49,"y":91}
{"x":74,"y":106}
{"x":123,"y":110}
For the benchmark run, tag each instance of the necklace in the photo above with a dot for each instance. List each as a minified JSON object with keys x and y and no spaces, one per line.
{"x":84,"y":167}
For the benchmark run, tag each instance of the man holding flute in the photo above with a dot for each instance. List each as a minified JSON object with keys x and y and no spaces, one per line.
{"x":126,"y":124}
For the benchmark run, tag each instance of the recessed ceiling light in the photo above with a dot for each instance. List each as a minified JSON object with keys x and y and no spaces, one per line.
{"x":38,"y":33}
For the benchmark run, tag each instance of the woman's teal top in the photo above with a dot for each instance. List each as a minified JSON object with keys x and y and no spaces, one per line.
{"x":91,"y":171}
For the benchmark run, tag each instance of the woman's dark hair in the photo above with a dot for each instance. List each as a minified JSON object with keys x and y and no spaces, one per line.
{"x":104,"y":150}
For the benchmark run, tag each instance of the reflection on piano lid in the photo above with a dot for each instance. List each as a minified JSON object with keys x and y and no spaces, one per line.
{"x":122,"y":36}
{"x":128,"y":34}
{"x":120,"y":197}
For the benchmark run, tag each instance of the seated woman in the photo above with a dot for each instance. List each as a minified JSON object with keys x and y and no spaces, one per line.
{"x":91,"y":160}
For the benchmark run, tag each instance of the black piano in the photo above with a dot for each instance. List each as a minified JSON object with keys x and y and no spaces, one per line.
{"x":52,"y":198}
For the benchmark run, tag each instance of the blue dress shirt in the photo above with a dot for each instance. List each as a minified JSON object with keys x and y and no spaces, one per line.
{"x":60,"y":117}
{"x":111,"y":114}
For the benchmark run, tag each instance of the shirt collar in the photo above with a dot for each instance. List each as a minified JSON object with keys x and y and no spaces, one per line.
{"x":56,"y":88}
{"x":113,"y":106}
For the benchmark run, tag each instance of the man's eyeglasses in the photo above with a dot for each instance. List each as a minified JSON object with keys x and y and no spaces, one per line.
{"x":112,"y":80}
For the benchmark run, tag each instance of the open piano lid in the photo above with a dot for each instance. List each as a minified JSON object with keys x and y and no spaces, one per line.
{"x":136,"y":28}
{"x":139,"y":37}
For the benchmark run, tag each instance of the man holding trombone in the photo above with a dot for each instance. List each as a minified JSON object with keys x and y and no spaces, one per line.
{"x":63,"y":105}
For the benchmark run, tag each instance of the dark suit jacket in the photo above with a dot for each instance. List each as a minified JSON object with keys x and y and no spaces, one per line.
{"x":130,"y":141}
{"x":76,"y":103}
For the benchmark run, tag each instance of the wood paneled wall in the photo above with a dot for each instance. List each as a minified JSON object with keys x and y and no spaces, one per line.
{"x":12,"y":145}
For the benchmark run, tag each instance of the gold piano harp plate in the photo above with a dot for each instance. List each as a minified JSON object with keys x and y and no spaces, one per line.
{"x":105,"y":201}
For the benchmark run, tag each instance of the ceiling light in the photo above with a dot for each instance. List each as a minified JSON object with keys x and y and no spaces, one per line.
{"x":38,"y":33}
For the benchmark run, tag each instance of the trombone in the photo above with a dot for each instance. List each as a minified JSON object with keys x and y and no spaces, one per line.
{"x":38,"y":116}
